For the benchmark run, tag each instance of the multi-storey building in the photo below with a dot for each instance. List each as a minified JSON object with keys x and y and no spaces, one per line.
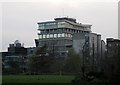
{"x":88,"y":45}
{"x":57,"y":35}
{"x":17,"y":53}
{"x":113,"y":59}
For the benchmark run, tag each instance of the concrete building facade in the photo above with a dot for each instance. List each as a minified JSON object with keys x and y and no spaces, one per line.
{"x":113,"y":59}
{"x":17,"y":53}
{"x":57,"y":35}
{"x":88,"y":45}
{"x":65,"y":33}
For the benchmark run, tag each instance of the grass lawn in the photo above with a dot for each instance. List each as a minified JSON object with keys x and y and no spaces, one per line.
{"x":36,"y":79}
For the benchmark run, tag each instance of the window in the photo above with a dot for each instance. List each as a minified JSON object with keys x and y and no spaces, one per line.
{"x":63,"y":35}
{"x":69,"y":35}
{"x":61,"y":24}
{"x":41,"y":26}
{"x":40,"y":36}
{"x":44,"y":36}
{"x":59,"y":35}
{"x":47,"y":25}
{"x":109,"y":45}
{"x":47,"y":35}
{"x":14,"y":58}
{"x":7,"y":58}
{"x":117,"y":45}
{"x":55,"y":35}
{"x":51,"y":35}
{"x":66,"y":35}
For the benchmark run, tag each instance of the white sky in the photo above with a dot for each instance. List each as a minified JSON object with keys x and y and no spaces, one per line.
{"x":19,"y":19}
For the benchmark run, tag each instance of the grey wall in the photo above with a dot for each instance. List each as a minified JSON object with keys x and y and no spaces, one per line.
{"x":78,"y":42}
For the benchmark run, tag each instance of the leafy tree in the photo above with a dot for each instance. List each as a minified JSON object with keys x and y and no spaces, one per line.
{"x":73,"y":62}
{"x":14,"y":67}
{"x":57,"y":65}
{"x":40,"y":61}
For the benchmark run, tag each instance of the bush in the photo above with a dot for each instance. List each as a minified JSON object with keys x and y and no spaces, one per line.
{"x":96,"y":81}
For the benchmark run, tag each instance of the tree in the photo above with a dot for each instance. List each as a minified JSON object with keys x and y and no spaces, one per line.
{"x":14,"y":67}
{"x":40,"y":61}
{"x":73,"y":62}
{"x":57,"y":65}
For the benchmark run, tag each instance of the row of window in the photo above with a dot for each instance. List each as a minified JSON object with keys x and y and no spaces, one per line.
{"x":54,"y":35}
{"x":113,"y":45}
{"x":51,"y":25}
{"x":45,"y":24}
{"x":58,"y":25}
{"x":48,"y":25}
{"x":61,"y":24}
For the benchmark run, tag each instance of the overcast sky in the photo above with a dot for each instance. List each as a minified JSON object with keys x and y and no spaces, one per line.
{"x":19,"y":19}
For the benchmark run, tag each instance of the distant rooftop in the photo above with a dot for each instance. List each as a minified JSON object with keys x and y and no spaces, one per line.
{"x":112,"y":39}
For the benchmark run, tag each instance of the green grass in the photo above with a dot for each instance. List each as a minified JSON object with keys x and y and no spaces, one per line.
{"x":36,"y":79}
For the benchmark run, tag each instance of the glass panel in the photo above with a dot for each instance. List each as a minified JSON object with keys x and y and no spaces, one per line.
{"x":41,"y":26}
{"x":61,"y":24}
{"x":55,"y":35}
{"x":47,"y":35}
{"x":44,"y":36}
{"x":48,"y":25}
{"x":63,"y":35}
{"x":51,"y":35}
{"x":66,"y":35}
{"x":69,"y":35}
{"x":40,"y":36}
{"x":59,"y":35}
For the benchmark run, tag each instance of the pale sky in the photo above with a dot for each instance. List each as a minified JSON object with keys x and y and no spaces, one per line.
{"x":19,"y":19}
